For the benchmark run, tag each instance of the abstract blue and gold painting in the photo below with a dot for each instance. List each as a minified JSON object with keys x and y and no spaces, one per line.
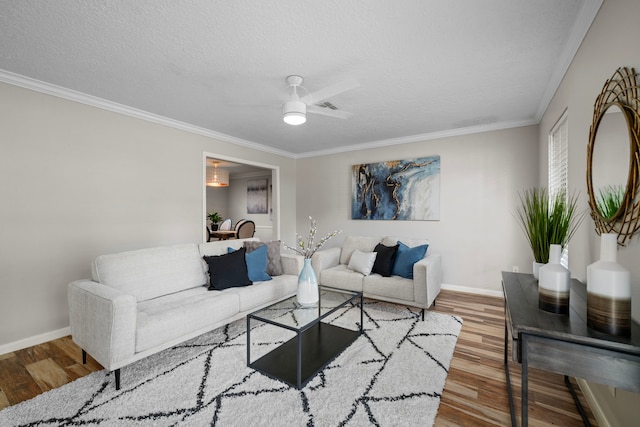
{"x":397,"y":190}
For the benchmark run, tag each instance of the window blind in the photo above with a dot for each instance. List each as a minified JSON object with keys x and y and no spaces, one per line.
{"x":559,"y":165}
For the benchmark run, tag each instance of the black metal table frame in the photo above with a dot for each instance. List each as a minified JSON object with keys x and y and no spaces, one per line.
{"x":299,"y":335}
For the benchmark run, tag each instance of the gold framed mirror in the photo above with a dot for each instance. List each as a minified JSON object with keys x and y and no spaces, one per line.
{"x":613,"y":157}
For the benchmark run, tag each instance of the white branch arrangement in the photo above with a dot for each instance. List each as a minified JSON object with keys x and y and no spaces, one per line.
{"x":307,"y":249}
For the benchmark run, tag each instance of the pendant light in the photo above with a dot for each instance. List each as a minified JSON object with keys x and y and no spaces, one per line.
{"x":217,"y":177}
{"x":294,"y":112}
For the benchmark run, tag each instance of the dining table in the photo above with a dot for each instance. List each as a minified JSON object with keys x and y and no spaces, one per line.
{"x":223,"y":234}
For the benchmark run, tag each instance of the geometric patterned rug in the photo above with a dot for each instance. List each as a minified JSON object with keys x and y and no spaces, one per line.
{"x":391,"y":375}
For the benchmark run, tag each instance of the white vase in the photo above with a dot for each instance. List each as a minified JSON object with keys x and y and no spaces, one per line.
{"x":554,"y":284}
{"x":536,"y":269}
{"x":609,"y":291}
{"x":307,"y":285}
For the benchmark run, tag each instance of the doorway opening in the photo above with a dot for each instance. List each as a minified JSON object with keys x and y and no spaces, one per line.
{"x":236,"y":201}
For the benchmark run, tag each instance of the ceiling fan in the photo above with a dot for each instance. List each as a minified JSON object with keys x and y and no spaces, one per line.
{"x":294,"y":111}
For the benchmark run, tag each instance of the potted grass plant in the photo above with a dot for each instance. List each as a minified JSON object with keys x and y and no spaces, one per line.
{"x":546,"y":221}
{"x":610,"y":199}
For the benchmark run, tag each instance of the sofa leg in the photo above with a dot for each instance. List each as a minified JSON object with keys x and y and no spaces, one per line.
{"x":117,"y":373}
{"x":423,"y":314}
{"x":84,"y":357}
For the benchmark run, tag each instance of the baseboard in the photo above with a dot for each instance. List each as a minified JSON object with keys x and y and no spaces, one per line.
{"x":35,"y":340}
{"x":596,"y":408}
{"x":469,"y":290}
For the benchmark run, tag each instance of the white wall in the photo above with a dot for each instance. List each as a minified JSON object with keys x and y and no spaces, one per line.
{"x":612,"y":42}
{"x":77,"y":181}
{"x":481,"y":175}
{"x":218,"y":201}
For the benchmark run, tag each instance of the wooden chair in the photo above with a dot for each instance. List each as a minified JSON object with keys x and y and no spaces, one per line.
{"x":238,"y":224}
{"x":246,"y":229}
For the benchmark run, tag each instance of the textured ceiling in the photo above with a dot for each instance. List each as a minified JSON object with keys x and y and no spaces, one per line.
{"x":425,"y":67}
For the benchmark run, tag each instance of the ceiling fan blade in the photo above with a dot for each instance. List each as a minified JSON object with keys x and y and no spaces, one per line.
{"x":328,"y":112}
{"x":329,"y":91}
{"x":242,"y":105}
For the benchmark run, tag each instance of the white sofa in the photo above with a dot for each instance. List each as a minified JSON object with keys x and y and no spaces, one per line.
{"x":331,"y":266}
{"x":141,"y":302}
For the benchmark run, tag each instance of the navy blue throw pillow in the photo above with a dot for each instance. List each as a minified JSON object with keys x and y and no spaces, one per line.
{"x":385,"y":259}
{"x":228,"y":270}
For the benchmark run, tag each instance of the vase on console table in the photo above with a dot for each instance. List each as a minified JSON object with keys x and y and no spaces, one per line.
{"x":609,"y":291}
{"x":536,"y":269}
{"x":554,"y":284}
{"x":307,"y":293}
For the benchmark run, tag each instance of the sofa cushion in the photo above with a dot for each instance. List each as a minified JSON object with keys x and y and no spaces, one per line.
{"x":220,"y":247}
{"x":385,"y":259}
{"x":361,"y":243}
{"x":394,"y":287}
{"x":175,"y":315}
{"x":362,"y":262}
{"x":262,"y":293}
{"x":150,"y":273}
{"x":274,"y":267}
{"x":405,"y":258}
{"x":256,"y":264}
{"x":341,"y":277}
{"x":228,"y":271}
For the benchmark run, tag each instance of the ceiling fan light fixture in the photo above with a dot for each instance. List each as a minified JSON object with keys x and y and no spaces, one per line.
{"x":294,"y":112}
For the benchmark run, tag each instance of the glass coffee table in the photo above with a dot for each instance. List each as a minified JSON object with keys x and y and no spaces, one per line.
{"x":315,"y":344}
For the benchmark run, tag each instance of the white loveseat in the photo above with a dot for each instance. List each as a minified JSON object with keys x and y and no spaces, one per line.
{"x":141,"y":302}
{"x":331,"y":266}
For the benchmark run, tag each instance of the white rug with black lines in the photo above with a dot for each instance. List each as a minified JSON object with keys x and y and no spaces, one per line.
{"x":391,"y":375}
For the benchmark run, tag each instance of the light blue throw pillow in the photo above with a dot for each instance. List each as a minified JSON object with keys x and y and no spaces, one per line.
{"x":256,"y":264}
{"x":405,"y":258}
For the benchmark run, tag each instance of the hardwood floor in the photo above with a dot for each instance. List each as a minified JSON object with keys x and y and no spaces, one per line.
{"x":475,"y":393}
{"x":476,"y":390}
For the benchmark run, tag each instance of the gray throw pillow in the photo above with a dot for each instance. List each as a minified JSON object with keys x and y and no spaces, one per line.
{"x":274,"y":266}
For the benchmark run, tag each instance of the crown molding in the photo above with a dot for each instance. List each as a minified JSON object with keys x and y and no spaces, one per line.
{"x":93,"y":101}
{"x":71,"y":95}
{"x":583,"y":22}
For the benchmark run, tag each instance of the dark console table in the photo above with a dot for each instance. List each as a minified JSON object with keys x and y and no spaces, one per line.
{"x":563,"y":343}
